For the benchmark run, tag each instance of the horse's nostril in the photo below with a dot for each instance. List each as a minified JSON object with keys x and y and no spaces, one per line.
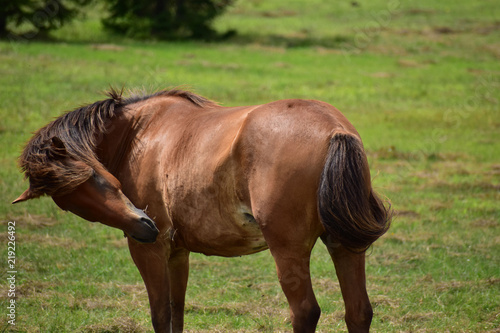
{"x":149,"y":222}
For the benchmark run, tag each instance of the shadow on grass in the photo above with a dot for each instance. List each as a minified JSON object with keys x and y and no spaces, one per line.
{"x":230,"y":37}
{"x":301,"y":40}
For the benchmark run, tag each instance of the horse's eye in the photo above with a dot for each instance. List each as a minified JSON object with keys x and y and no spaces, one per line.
{"x":98,"y":178}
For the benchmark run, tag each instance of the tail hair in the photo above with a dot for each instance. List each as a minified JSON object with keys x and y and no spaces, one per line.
{"x":350,"y":211}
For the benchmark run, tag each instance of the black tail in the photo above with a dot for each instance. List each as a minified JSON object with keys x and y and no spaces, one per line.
{"x":350,"y":211}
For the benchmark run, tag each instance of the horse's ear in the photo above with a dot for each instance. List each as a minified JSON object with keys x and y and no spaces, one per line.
{"x":25,"y":196}
{"x":58,"y":147}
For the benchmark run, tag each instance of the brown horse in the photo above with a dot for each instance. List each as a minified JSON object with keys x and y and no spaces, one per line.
{"x":224,"y":181}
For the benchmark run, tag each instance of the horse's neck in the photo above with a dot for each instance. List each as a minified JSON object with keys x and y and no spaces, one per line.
{"x":124,"y":131}
{"x":118,"y":141}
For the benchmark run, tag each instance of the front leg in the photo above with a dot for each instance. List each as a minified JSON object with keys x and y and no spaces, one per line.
{"x":151,"y":260}
{"x":178,"y":268}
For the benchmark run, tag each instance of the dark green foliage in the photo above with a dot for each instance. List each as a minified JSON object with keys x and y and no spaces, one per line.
{"x":31,"y":18}
{"x":164,"y":19}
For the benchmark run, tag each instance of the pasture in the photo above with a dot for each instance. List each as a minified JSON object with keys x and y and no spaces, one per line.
{"x":419,"y":80}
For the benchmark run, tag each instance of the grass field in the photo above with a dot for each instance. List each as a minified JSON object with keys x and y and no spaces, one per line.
{"x":419,"y":80}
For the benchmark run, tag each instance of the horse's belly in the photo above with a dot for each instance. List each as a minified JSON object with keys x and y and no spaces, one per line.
{"x":252,"y":238}
{"x":232,"y":234}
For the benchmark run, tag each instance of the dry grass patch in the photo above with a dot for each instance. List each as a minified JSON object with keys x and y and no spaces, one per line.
{"x":31,"y":222}
{"x":53,"y":241}
{"x":33,"y":289}
{"x":116,"y":325}
{"x":485,"y":223}
{"x":480,"y":284}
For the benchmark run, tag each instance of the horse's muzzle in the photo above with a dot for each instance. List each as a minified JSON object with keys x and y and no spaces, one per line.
{"x":147,"y":231}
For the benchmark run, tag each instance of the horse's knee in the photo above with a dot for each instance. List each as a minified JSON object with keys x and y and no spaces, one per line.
{"x":314,"y":315}
{"x":360,"y":319}
{"x":306,"y":318}
{"x":161,"y":317}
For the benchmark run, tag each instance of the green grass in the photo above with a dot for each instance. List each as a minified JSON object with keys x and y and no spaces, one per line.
{"x":419,"y":80}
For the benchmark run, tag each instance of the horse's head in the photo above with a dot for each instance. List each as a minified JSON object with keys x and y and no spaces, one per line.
{"x":97,"y":199}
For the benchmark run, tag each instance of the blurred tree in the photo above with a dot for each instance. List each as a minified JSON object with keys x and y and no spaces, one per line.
{"x":35,"y":17}
{"x":164,"y":19}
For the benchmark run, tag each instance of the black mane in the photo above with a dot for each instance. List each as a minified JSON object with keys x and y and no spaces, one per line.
{"x":76,"y":134}
{"x":192,"y":97}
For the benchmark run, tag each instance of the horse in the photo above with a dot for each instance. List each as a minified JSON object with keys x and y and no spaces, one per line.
{"x":178,"y":173}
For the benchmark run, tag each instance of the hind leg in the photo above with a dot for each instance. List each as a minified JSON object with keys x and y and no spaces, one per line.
{"x":295,"y":280}
{"x":350,"y":269}
{"x":290,"y":243}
